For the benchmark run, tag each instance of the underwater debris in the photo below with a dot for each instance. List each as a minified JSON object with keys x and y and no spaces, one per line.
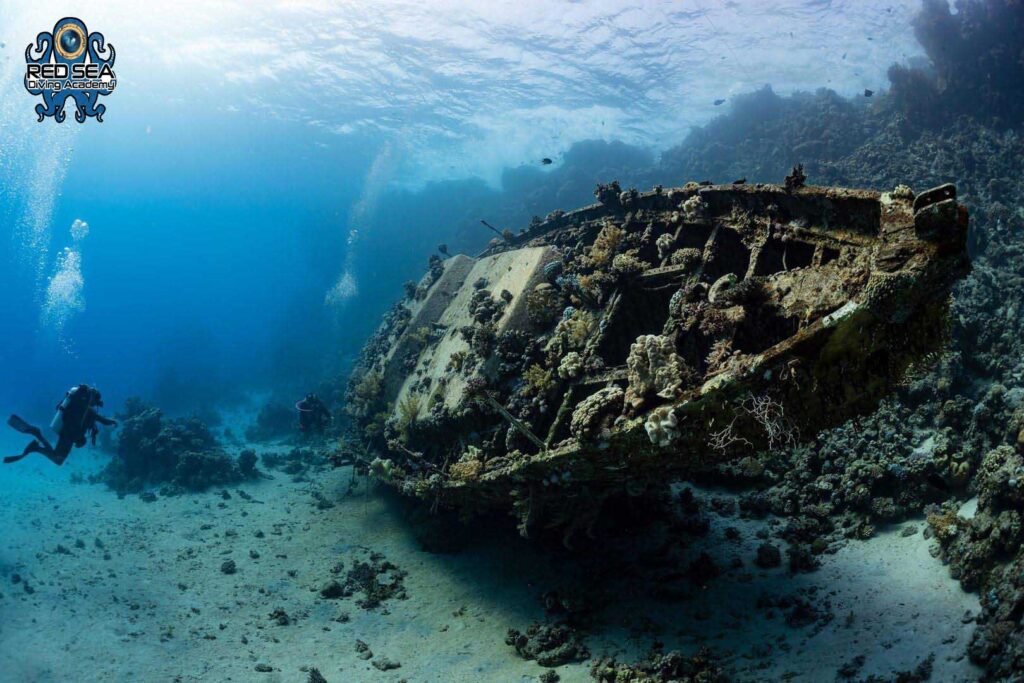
{"x":298,"y":462}
{"x":684,"y":323}
{"x":377,"y":579}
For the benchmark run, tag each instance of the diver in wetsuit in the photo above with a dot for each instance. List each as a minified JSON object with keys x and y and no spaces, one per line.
{"x":313,"y":414}
{"x":76,"y":419}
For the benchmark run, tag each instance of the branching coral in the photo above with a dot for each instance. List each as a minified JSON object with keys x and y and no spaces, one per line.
{"x":605,"y":246}
{"x":724,"y":438}
{"x":770,"y":414}
{"x":365,"y":394}
{"x":571,"y":333}
{"x":720,"y":352}
{"x":409,"y":410}
{"x":537,"y":381}
{"x":595,"y":285}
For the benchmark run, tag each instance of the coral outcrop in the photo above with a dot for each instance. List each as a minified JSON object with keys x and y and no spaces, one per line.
{"x":592,"y":418}
{"x":179,"y":454}
{"x":653,"y":368}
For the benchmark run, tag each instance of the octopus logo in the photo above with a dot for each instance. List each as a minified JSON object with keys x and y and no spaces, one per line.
{"x":70,"y":62}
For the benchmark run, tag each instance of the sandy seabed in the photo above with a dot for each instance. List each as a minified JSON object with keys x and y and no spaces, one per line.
{"x":96,"y":588}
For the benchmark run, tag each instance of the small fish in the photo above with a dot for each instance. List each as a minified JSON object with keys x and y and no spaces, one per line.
{"x":740,"y":181}
{"x":844,"y":55}
{"x":546,"y":161}
{"x":719,"y":102}
{"x":868,"y":93}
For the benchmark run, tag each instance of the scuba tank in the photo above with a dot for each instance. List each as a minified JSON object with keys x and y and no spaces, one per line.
{"x":73,"y":394}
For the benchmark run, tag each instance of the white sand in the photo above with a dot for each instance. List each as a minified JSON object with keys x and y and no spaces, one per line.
{"x":126,"y":618}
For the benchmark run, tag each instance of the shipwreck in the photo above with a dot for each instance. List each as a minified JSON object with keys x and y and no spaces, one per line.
{"x":612,"y":349}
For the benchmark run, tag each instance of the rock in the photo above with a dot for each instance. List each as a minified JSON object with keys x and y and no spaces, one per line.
{"x":768,"y":556}
{"x":280,"y":617}
{"x":264,"y":668}
{"x":385,"y":664}
{"x":333,"y":591}
{"x":549,"y":644}
{"x":228,"y":567}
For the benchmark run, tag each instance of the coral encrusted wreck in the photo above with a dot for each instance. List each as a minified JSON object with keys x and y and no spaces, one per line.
{"x":610,"y":349}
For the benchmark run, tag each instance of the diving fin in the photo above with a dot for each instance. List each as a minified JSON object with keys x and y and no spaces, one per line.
{"x":25,"y":428}
{"x":20,"y":425}
{"x":33,"y":447}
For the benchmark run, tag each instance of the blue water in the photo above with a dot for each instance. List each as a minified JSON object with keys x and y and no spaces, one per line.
{"x":266,"y":178}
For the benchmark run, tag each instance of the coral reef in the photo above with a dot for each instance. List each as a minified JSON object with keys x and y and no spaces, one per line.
{"x":984,"y":552}
{"x":181,"y":454}
{"x":276,"y":419}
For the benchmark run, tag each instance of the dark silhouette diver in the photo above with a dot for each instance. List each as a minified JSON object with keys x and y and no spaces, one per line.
{"x":313,"y":414}
{"x":76,"y":419}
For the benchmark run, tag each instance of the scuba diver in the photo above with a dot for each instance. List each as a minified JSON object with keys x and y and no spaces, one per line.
{"x":313,"y":414}
{"x":76,"y":419}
